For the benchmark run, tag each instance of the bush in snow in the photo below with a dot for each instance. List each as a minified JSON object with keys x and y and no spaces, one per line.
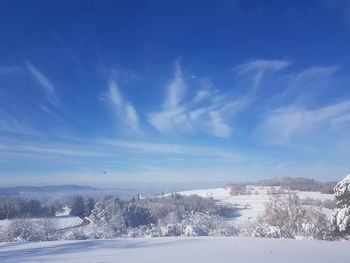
{"x":136,"y":213}
{"x":107,"y":218}
{"x":163,"y":216}
{"x":285,"y":217}
{"x":239,"y":189}
{"x":74,"y":234}
{"x":315,"y":225}
{"x":173,"y":230}
{"x":259,"y":228}
{"x":31,"y":230}
{"x":341,"y":214}
{"x":146,"y":231}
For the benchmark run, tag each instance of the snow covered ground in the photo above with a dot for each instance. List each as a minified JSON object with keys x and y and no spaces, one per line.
{"x":64,"y":212}
{"x":175,"y":250}
{"x":253,"y":205}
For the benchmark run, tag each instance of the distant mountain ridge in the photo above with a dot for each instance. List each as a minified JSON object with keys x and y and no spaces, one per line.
{"x":16,"y":190}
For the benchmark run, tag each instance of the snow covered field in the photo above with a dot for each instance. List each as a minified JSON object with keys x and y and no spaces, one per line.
{"x":253,"y":205}
{"x":174,"y":250}
{"x":184,"y":249}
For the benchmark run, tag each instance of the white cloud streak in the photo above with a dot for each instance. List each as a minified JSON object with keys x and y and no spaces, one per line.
{"x":124,"y":109}
{"x":259,"y":68}
{"x":288,"y":123}
{"x":209,"y":111}
{"x":48,"y":151}
{"x":44,"y":83}
{"x":168,"y":148}
{"x":176,"y":88}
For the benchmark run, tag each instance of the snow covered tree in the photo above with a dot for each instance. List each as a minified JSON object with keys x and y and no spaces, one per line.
{"x":284,"y":213}
{"x":135,"y":214}
{"x":286,"y":217}
{"x":31,"y":230}
{"x":341,"y":214}
{"x":107,"y":218}
{"x":77,"y":206}
{"x":90,"y":204}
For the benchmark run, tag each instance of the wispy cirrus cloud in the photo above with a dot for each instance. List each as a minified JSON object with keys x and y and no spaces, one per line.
{"x":150,"y":147}
{"x":298,"y":112}
{"x":112,"y":150}
{"x":285,"y":124}
{"x":176,"y":88}
{"x":123,"y":108}
{"x":262,"y":65}
{"x":259,"y":67}
{"x":68,"y":152}
{"x":12,"y":123}
{"x":310,"y":82}
{"x":44,"y":83}
{"x":16,"y":113}
{"x":48,"y":150}
{"x":209,"y":111}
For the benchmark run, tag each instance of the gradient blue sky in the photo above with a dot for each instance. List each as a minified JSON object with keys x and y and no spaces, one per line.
{"x":111,"y":92}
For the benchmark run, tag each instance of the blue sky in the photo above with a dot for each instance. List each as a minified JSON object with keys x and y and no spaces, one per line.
{"x":113,"y":92}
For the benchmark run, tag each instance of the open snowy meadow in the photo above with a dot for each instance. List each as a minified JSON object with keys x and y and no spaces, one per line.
{"x":187,"y":249}
{"x":251,"y":206}
{"x":179,"y":249}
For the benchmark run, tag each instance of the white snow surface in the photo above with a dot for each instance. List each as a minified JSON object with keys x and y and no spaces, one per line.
{"x":65,"y":212}
{"x":175,"y":250}
{"x":252,"y":206}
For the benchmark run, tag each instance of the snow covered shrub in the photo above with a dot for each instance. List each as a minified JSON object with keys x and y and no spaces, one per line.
{"x":259,"y":228}
{"x":284,"y":212}
{"x":47,"y":229}
{"x":107,"y":219}
{"x":31,"y":230}
{"x":173,"y":230}
{"x":22,"y":230}
{"x":239,"y":189}
{"x":159,"y":216}
{"x":146,"y":231}
{"x":202,"y":224}
{"x":285,"y":217}
{"x":197,"y":224}
{"x":135,"y":214}
{"x":341,"y":214}
{"x":314,"y":225}
{"x":74,"y":234}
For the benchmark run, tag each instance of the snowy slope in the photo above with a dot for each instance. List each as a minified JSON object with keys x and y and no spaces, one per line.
{"x":253,"y":205}
{"x":175,"y":250}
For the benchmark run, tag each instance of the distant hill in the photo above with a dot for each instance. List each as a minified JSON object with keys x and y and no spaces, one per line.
{"x":68,"y":190}
{"x":18,"y":190}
